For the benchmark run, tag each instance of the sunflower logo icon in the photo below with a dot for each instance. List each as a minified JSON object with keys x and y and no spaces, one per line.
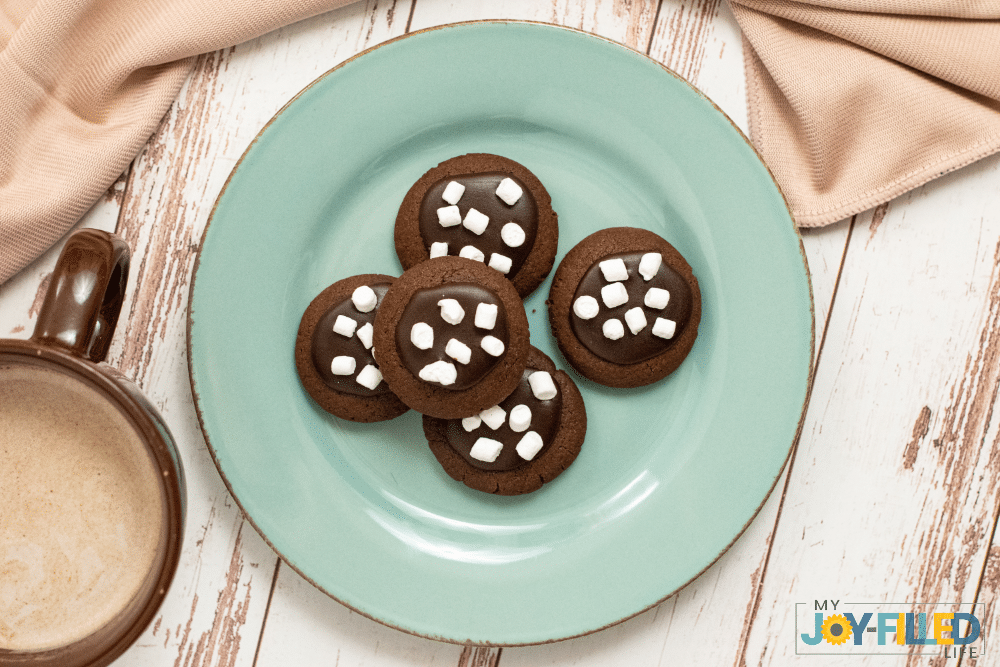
{"x":836,"y":629}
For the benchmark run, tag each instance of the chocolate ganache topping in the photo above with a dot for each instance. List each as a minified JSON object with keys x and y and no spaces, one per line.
{"x":630,"y":307}
{"x":521,"y":417}
{"x":342,"y":344}
{"x":452,"y":335}
{"x":489,"y":216}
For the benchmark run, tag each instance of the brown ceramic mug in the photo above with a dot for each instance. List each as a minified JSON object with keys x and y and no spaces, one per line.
{"x":91,"y":486}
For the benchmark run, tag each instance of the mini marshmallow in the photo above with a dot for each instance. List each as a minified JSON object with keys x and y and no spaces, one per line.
{"x":472,"y":252}
{"x":493,"y":417}
{"x":471,"y":423}
{"x":649,"y":265}
{"x":345,"y":326}
{"x":364,"y":299}
{"x":486,"y":450}
{"x":458,"y":351}
{"x":501,"y":263}
{"x":635,"y":319}
{"x":613,"y":329}
{"x":657,"y":298}
{"x":614,"y":295}
{"x":365,"y":334}
{"x":369,"y":377}
{"x":449,"y":216}
{"x":512,"y":235}
{"x":453,"y":192}
{"x":451,"y":311}
{"x":586,"y":307}
{"x":529,"y":445}
{"x":486,"y":315}
{"x":509,"y":191}
{"x":614,"y":270}
{"x":439,"y":249}
{"x":664,"y":328}
{"x":493,"y":346}
{"x":343,"y":365}
{"x":542,"y":385}
{"x":422,"y":336}
{"x":520,"y":418}
{"x":441,"y":372}
{"x":475,"y":221}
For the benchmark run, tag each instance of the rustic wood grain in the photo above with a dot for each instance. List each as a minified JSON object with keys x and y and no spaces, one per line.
{"x":233,"y":603}
{"x":894,"y":492}
{"x":479,"y":656}
{"x":701,"y":41}
{"x":157,"y":219}
{"x":682,"y":35}
{"x":217,"y":604}
{"x":306,"y":627}
{"x":988,"y":596}
{"x":627,"y":21}
{"x":163,"y":209}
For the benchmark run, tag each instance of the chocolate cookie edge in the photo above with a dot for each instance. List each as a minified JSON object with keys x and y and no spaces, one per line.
{"x":409,"y":243}
{"x":561,"y":452}
{"x":610,"y":241}
{"x":361,"y":409}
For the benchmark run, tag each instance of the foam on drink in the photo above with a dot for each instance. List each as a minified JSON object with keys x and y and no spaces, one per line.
{"x":81,"y":509}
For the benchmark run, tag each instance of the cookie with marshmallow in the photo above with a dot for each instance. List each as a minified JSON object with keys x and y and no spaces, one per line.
{"x":334,"y":353}
{"x":452,"y":337}
{"x":522,"y":442}
{"x":624,"y":307}
{"x":483,"y":207}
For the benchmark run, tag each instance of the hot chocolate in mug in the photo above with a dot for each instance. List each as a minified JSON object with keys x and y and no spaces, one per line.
{"x":91,"y":485}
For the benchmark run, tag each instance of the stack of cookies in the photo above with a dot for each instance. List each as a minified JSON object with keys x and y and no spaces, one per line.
{"x":449,"y":338}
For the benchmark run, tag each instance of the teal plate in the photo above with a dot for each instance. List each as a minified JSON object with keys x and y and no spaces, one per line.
{"x":669,"y":475}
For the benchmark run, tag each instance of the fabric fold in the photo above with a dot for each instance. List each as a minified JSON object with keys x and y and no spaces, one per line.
{"x":84,"y":84}
{"x":853,"y":103}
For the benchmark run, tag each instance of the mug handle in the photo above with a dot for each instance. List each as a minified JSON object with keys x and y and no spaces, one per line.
{"x":85,"y":294}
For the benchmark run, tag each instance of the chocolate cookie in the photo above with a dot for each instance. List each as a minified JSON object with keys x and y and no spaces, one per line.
{"x":451,"y":337}
{"x":624,"y":307}
{"x":333,"y":353}
{"x":483,"y":207}
{"x":521,"y":443}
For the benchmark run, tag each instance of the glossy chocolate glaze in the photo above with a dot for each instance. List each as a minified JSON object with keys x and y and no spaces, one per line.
{"x":480,"y":194}
{"x":545,"y":417}
{"x":423,"y":307}
{"x":327,"y":344}
{"x":632,"y":348}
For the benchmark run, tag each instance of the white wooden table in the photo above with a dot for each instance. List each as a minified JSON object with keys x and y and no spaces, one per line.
{"x":891,"y":494}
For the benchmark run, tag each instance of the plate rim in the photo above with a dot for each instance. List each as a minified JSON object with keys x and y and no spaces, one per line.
{"x":809,"y":380}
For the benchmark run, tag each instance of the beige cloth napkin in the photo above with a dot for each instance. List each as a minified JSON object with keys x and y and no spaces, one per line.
{"x":83,"y":85}
{"x":851,"y":102}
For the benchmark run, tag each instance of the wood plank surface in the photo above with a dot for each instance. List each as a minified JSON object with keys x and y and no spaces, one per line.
{"x":894,"y":493}
{"x":232,"y":602}
{"x":217,"y":604}
{"x":891,"y":495}
{"x":627,"y":21}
